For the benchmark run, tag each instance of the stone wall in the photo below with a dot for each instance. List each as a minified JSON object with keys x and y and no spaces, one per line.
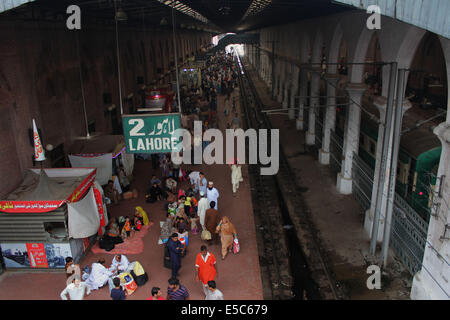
{"x":40,"y":78}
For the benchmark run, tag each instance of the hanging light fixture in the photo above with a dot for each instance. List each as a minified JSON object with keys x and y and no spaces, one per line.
{"x":163,"y":22}
{"x":121,"y":15}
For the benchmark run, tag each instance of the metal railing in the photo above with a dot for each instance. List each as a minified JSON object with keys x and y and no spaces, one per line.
{"x":409,"y":229}
{"x":362,"y":176}
{"x":336,"y":151}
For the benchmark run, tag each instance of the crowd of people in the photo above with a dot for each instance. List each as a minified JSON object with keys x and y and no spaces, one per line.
{"x":191,"y":204}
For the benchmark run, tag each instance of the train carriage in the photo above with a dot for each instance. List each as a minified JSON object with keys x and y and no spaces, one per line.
{"x":419,"y":156}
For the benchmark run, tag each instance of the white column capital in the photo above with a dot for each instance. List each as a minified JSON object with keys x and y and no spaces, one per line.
{"x":356,"y":89}
{"x":442,"y":131}
{"x":381,"y":104}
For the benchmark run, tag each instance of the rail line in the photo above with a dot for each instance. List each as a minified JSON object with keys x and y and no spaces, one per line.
{"x":283,"y":219}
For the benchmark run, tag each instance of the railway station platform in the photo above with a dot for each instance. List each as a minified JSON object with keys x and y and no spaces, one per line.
{"x":338,"y":218}
{"x":239,"y":276}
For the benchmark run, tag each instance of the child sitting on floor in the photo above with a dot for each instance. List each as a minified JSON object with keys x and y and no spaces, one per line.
{"x":127,"y":231}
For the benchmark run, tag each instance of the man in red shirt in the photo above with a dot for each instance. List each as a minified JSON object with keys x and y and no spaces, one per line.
{"x":205,"y":267}
{"x":156,"y":294}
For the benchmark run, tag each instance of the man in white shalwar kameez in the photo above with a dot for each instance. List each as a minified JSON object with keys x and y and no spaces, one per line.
{"x":194,"y":178}
{"x":120,"y":263}
{"x":212,"y":194}
{"x":203,"y":205}
{"x":236,"y":176}
{"x":99,"y":275}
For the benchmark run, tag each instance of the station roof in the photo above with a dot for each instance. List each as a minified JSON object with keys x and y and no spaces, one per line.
{"x":216,"y":16}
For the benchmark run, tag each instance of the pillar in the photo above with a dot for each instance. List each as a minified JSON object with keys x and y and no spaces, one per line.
{"x":381,"y":104}
{"x":432,"y":282}
{"x":314,"y":102}
{"x":303,"y":91}
{"x":287,"y":83}
{"x":351,"y":136}
{"x":294,"y":89}
{"x":330,"y":118}
{"x":280,"y":82}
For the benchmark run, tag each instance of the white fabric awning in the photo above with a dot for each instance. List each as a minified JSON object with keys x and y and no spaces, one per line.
{"x":103,"y":163}
{"x":83,"y":217}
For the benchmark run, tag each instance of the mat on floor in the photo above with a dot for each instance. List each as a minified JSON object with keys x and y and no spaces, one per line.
{"x":134,"y":245}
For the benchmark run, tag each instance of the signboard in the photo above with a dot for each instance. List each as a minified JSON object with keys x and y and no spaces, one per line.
{"x":30,"y":206}
{"x":151,"y":133}
{"x":37,"y":255}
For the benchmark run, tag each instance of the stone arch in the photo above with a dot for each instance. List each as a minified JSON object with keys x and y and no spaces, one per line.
{"x":373,"y":73}
{"x":445,"y":44}
{"x":335,"y":48}
{"x":305,"y":47}
{"x":357,"y":71}
{"x":317,"y":47}
{"x":428,"y":65}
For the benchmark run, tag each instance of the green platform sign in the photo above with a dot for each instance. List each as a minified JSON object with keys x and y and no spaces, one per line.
{"x":151,"y":133}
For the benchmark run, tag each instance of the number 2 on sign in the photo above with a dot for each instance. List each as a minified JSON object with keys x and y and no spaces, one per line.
{"x":139,"y":125}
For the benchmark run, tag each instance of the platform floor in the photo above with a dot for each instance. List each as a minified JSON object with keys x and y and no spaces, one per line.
{"x":338,"y":218}
{"x":239,"y":275}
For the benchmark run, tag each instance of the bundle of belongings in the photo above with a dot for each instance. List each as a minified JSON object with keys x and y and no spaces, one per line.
{"x":132,"y":278}
{"x":131,"y":275}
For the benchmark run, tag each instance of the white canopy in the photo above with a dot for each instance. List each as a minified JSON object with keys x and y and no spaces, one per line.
{"x":103,"y":163}
{"x":84,"y":220}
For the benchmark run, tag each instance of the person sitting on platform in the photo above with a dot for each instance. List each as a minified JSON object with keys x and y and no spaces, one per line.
{"x":142,"y":215}
{"x":137,"y":224}
{"x":127,"y":231}
{"x":99,"y":275}
{"x":171,"y":184}
{"x":119,"y":263}
{"x":155,"y":180}
{"x":112,"y":192}
{"x":71,"y":268}
{"x":155,"y":194}
{"x":113,"y":231}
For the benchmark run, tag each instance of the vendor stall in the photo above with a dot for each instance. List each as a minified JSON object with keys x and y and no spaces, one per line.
{"x":104,"y":152}
{"x":158,"y":99}
{"x":53,"y":214}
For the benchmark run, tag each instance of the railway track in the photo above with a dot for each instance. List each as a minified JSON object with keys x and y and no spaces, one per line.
{"x":294,"y":264}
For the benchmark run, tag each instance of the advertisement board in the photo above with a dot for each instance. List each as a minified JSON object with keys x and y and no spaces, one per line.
{"x":35,"y":255}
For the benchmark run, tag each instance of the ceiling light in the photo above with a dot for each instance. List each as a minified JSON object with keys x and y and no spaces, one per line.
{"x":164,"y":22}
{"x":121,"y":15}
